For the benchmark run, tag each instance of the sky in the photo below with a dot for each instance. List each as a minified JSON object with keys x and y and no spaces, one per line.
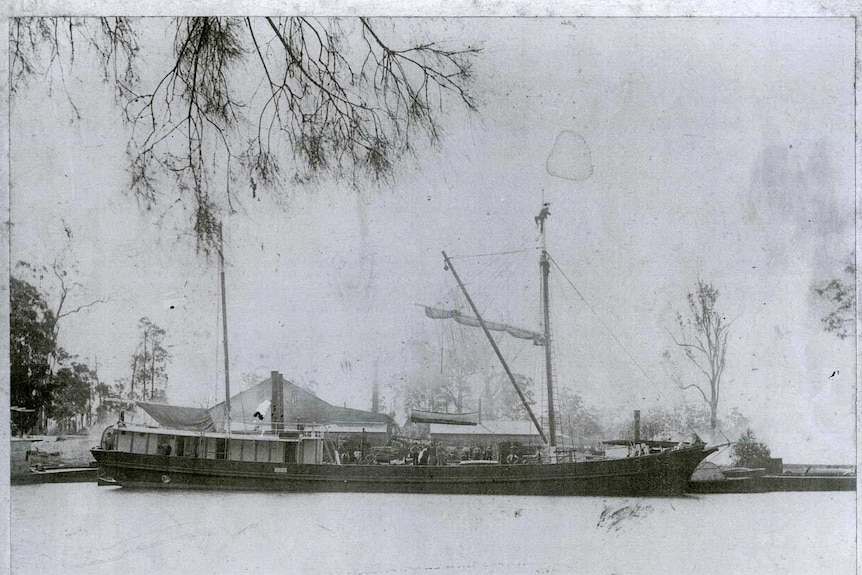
{"x":669,"y":150}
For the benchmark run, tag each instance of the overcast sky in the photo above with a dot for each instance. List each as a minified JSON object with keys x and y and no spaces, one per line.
{"x":712,"y":148}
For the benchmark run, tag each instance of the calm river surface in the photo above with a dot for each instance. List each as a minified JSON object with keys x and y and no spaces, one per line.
{"x":81,"y":528}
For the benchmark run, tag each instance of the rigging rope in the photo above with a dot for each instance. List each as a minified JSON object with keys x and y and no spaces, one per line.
{"x":535,"y":248}
{"x":612,"y":334}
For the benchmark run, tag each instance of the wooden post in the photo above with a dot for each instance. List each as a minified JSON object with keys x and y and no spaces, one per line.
{"x":375,"y":390}
{"x":637,"y":426}
{"x":224,"y":329}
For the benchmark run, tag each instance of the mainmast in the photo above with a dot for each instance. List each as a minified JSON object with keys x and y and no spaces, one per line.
{"x":224,"y":328}
{"x":545,"y":267}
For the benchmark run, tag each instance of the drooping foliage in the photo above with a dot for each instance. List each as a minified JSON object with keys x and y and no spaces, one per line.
{"x":235,"y":99}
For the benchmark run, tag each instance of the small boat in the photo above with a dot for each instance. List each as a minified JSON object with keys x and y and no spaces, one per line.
{"x":419,"y":416}
{"x":711,"y":478}
{"x":191,"y":453}
{"x":24,"y":472}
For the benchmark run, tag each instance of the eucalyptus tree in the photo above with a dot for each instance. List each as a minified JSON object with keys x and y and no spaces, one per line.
{"x":702,"y":338}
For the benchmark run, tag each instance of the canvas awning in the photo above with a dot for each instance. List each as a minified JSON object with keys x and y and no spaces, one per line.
{"x":176,"y":417}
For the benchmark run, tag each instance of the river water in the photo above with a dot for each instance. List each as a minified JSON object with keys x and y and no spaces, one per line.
{"x":82,"y":528}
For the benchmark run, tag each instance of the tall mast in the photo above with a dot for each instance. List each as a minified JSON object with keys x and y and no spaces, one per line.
{"x":545,"y":267}
{"x":451,"y":268}
{"x":224,"y":328}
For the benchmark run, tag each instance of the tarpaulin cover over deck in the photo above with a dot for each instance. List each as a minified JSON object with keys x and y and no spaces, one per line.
{"x":176,"y":417}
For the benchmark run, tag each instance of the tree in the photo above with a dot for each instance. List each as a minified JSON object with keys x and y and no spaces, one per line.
{"x":576,"y":419}
{"x":149,"y":363}
{"x":31,"y":346}
{"x":73,"y":388}
{"x":501,"y":401}
{"x":840,"y":295}
{"x":445,"y":378}
{"x":345,"y":97}
{"x":748,"y":452}
{"x":34,"y":355}
{"x":112,"y":399}
{"x":64,"y":286}
{"x":703,"y":340}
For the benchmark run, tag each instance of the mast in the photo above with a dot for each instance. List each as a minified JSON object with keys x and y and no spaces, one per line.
{"x":451,"y":268}
{"x":224,"y":329}
{"x":545,"y":267}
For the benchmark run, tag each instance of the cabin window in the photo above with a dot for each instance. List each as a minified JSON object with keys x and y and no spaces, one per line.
{"x":310,"y":451}
{"x":164,"y":445}
{"x":261,"y":451}
{"x":247,"y":449}
{"x":276,"y":453}
{"x":179,"y":446}
{"x":236,"y":449}
{"x":124,"y":442}
{"x":139,"y":443}
{"x":152,"y":444}
{"x":290,"y":452}
{"x":190,"y":447}
{"x":210,"y":448}
{"x":221,"y":448}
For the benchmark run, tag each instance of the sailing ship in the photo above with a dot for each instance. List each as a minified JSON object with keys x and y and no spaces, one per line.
{"x":188,"y":452}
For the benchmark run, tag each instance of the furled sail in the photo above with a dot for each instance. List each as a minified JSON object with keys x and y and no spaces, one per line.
{"x":437,"y":313}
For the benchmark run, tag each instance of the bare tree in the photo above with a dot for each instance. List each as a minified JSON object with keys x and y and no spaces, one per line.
{"x":344,"y":97}
{"x":703,"y":341}
{"x":65,"y":288}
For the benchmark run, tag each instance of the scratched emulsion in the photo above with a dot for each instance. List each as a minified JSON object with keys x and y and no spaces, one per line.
{"x":83,"y":529}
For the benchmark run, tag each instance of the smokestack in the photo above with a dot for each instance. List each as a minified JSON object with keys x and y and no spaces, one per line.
{"x":637,"y":426}
{"x":277,"y":401}
{"x":375,"y":390}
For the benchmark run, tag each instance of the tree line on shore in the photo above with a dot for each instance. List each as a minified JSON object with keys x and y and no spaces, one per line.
{"x":52,"y":388}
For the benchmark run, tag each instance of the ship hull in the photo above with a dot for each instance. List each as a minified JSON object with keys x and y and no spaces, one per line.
{"x":665,"y":473}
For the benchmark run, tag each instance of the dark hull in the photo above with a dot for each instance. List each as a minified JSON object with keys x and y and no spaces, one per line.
{"x":770,"y":483}
{"x":59,"y":475}
{"x":664,"y":473}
